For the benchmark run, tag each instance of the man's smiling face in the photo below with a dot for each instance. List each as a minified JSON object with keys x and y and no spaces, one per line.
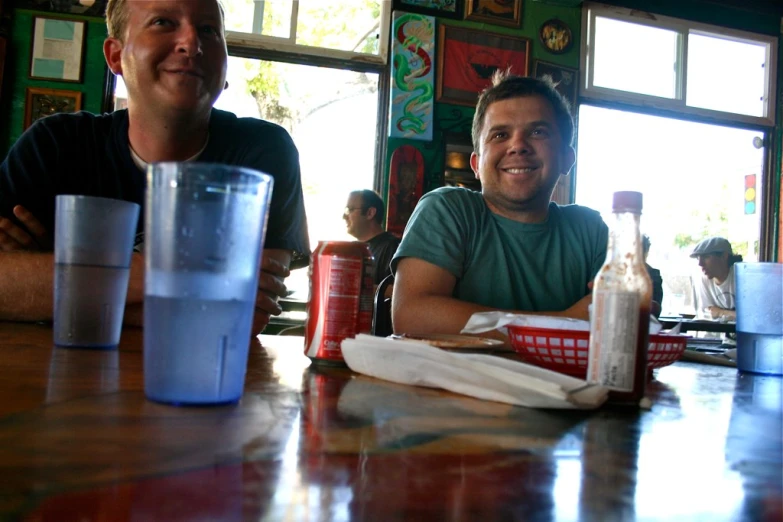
{"x":521,"y":155}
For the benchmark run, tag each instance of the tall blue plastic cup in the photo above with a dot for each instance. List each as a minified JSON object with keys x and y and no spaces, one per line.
{"x":204,"y":233}
{"x":759,"y":288}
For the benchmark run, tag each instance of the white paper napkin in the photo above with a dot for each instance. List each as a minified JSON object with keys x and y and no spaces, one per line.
{"x":486,"y":321}
{"x":482,"y":376}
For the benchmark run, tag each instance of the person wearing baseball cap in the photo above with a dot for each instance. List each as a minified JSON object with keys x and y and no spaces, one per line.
{"x":715,"y":291}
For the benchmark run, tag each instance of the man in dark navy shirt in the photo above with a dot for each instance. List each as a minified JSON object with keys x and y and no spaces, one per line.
{"x":172,"y":55}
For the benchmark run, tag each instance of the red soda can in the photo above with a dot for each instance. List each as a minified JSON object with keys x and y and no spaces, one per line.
{"x":340,"y":303}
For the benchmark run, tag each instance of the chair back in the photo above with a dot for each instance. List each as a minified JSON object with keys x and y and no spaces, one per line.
{"x":381,"y":313}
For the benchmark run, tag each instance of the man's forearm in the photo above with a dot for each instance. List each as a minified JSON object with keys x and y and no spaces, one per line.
{"x":437,"y":315}
{"x":27,"y":285}
{"x":447,"y":315}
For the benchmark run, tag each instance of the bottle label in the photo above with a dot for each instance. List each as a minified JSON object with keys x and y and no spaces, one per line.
{"x":614,"y":329}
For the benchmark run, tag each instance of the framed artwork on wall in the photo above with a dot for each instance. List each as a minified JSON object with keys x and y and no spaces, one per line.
{"x":69,"y":7}
{"x":499,"y":12}
{"x":57,"y":49}
{"x":555,"y":36}
{"x":467,"y":59}
{"x":440,"y":8}
{"x":564,"y":78}
{"x":40,"y":103}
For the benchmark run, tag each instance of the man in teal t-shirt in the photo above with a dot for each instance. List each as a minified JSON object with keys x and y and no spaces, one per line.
{"x":508,"y":247}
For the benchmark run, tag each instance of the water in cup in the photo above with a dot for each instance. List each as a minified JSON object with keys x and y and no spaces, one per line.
{"x":90,"y":304}
{"x":216,"y":334}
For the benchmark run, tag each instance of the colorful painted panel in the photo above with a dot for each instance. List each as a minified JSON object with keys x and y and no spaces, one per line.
{"x":413,"y":48}
{"x":406,"y":186}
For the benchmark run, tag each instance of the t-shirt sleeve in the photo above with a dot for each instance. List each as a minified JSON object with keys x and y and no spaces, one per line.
{"x":287,"y":222}
{"x":435,"y":233}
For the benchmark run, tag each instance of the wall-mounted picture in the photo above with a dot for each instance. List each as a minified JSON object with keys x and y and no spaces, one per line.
{"x":413,"y":76}
{"x":499,"y":12}
{"x":441,"y":8}
{"x":467,"y":59}
{"x":564,"y":78}
{"x":45,"y":102}
{"x":57,"y":49}
{"x":555,"y":36}
{"x":71,"y":7}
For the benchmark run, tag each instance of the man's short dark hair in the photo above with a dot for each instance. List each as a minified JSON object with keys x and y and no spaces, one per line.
{"x":645,"y":243}
{"x":506,"y":86}
{"x":371,"y":199}
{"x":117,"y":17}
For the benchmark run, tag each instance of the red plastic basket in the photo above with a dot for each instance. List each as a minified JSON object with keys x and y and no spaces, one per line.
{"x":565,"y":351}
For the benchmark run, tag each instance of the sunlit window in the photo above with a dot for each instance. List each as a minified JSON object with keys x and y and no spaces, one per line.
{"x":690,"y":192}
{"x":711,"y":86}
{"x":649,"y":55}
{"x":343,"y":28}
{"x":678,"y":65}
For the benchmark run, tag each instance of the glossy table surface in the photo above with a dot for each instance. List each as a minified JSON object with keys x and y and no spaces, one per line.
{"x":78,"y":441}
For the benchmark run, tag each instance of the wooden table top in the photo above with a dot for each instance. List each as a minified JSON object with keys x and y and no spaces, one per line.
{"x":78,"y":441}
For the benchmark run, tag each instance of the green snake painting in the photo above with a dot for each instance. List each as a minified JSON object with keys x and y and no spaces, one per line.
{"x":412,"y":33}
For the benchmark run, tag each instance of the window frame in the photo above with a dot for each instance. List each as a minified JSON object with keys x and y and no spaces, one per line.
{"x":277,"y":44}
{"x":591,"y":92}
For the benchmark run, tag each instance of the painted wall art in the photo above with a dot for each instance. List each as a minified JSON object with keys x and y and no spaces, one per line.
{"x":441,"y":8}
{"x":413,"y":47}
{"x":498,"y":12}
{"x":564,"y":78}
{"x":57,"y":49}
{"x":467,"y":59}
{"x":41,"y":102}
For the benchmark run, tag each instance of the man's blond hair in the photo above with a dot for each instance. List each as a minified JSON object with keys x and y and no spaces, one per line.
{"x":117,"y":17}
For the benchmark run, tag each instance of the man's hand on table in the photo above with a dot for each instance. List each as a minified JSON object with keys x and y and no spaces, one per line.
{"x":15,"y":238}
{"x":721,"y":313}
{"x":270,"y":288}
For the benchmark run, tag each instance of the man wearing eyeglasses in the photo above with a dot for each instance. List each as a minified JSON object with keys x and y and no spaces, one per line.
{"x":363,"y":217}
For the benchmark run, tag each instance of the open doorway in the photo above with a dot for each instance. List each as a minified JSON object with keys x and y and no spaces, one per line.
{"x":693,"y":177}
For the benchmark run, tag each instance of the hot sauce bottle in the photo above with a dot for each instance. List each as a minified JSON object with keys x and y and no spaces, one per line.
{"x":620,"y":319}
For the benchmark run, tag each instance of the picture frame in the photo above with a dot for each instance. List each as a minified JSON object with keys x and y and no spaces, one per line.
{"x":467,"y":58}
{"x":41,"y":102}
{"x":555,"y":36}
{"x":440,"y":8}
{"x":566,"y":80}
{"x":498,"y":12}
{"x":57,"y":49}
{"x":94,"y":8}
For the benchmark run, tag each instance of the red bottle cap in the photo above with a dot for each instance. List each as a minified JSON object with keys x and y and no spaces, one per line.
{"x":627,"y":201}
